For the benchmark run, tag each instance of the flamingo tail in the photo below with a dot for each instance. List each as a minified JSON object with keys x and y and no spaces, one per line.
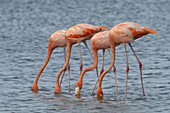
{"x":151,"y":31}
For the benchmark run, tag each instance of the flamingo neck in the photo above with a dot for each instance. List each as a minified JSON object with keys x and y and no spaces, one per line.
{"x":45,"y":64}
{"x":93,"y":66}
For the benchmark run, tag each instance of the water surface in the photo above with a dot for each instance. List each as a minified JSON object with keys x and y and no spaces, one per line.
{"x":25,"y":26}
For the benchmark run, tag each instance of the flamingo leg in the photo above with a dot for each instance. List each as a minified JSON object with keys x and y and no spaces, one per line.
{"x":81,"y":64}
{"x":114,"y":71}
{"x":127,"y":70}
{"x":64,"y":49}
{"x":88,"y":49}
{"x":92,"y":93}
{"x":68,"y":68}
{"x":100,"y":71}
{"x":57,"y":87}
{"x":62,"y":77}
{"x":140,"y":67}
{"x":102,"y":62}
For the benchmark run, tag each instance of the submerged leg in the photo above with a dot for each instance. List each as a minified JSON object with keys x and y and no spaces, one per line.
{"x":64,"y":49}
{"x":127,"y":70}
{"x":62,"y":76}
{"x":140,"y":67}
{"x":102,"y":62}
{"x":114,"y":71}
{"x":81,"y":64}
{"x":68,"y":68}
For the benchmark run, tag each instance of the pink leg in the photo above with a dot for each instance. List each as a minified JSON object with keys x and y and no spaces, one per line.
{"x":127,"y":70}
{"x":84,"y":42}
{"x":68,"y":68}
{"x":64,"y":49}
{"x":140,"y":67}
{"x":81,"y":64}
{"x":62,"y":76}
{"x":102,"y":62}
{"x":114,"y":71}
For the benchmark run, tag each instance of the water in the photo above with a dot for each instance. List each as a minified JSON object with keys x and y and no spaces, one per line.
{"x":25,"y":26}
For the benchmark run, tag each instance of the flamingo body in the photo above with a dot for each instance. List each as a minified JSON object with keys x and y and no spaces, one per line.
{"x":129,"y":31}
{"x":56,"y":40}
{"x":122,"y":33}
{"x":76,"y":34}
{"x":100,"y":40}
{"x":81,"y":32}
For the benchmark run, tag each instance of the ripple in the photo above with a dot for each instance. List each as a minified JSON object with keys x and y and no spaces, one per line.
{"x":25,"y":28}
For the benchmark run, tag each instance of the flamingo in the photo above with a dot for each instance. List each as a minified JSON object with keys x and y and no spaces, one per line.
{"x":98,"y":41}
{"x":124,"y":33}
{"x":57,"y":39}
{"x":101,"y":41}
{"x":76,"y":34}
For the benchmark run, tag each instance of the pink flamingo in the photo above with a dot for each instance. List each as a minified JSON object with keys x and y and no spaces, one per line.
{"x":57,"y":39}
{"x":98,"y":41}
{"x":124,"y":33}
{"x":101,"y":41}
{"x":76,"y":34}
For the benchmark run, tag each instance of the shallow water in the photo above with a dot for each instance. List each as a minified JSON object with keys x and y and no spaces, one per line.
{"x":25,"y":26}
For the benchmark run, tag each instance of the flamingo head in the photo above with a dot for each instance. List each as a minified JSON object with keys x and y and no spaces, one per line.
{"x":78,"y":87}
{"x":35,"y":87}
{"x":102,"y":28}
{"x":77,"y":91}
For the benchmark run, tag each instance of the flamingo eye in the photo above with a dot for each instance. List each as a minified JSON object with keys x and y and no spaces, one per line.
{"x":100,"y":29}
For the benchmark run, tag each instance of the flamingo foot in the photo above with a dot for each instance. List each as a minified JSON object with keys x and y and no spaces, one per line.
{"x":57,"y":89}
{"x":99,"y":92}
{"x":34,"y":87}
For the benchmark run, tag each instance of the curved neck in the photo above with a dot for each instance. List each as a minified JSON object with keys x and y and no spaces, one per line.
{"x":45,"y":63}
{"x":68,"y":54}
{"x":93,"y":66}
{"x":111,"y":65}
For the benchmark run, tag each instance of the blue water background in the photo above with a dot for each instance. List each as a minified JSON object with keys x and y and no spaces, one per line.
{"x":25,"y":27}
